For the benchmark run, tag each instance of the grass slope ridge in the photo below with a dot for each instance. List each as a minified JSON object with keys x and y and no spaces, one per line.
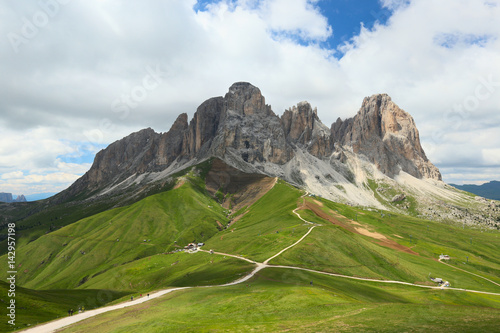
{"x":369,"y":251}
{"x":266,"y":227}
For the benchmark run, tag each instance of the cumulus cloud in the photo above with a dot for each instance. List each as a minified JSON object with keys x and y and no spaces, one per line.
{"x":86,"y":76}
{"x":12,"y":175}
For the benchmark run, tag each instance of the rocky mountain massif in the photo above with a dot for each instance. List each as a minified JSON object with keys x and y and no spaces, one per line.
{"x":373,"y":159}
{"x":7,"y":197}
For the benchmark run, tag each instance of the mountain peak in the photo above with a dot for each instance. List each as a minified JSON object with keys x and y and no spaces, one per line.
{"x":246,"y":99}
{"x":388,"y":136}
{"x":242,"y":86}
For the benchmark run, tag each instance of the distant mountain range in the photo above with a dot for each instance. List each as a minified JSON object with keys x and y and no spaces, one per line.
{"x":489,"y":190}
{"x":7,"y":197}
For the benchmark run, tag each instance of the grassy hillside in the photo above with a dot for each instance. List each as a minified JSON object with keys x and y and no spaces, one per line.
{"x":73,"y":255}
{"x":35,"y":219}
{"x":177,"y":270}
{"x":336,"y":248}
{"x":283,"y":300}
{"x":267,"y":227}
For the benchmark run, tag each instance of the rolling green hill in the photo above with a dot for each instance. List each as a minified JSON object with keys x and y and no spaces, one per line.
{"x":73,"y":255}
{"x":489,"y":190}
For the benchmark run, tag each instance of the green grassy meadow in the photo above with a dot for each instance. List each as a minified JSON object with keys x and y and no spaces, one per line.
{"x":267,"y":227}
{"x":70,"y":257}
{"x":283,"y":300}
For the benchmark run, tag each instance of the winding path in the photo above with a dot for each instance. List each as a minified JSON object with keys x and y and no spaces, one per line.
{"x":463,"y":270}
{"x":63,"y":322}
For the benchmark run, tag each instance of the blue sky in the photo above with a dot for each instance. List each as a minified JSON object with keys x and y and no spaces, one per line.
{"x":344,"y":16}
{"x":69,"y":71}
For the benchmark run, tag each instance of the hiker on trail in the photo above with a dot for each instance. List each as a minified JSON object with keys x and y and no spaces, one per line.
{"x":148,"y":295}
{"x":83,"y":309}
{"x":131,"y":298}
{"x":69,"y":312}
{"x":311,"y":283}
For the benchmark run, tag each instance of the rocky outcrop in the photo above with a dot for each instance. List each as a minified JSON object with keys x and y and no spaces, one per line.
{"x":302,"y":127}
{"x":203,"y":127}
{"x":121,"y":159}
{"x":6,"y":197}
{"x":20,"y":198}
{"x":170,"y":145}
{"x":387,"y":135}
{"x":398,"y":197}
{"x":249,"y":129}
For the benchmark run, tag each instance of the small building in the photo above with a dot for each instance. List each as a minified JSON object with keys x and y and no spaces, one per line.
{"x":200,"y":244}
{"x":437,"y":280}
{"x":191,"y":247}
{"x":444,"y":257}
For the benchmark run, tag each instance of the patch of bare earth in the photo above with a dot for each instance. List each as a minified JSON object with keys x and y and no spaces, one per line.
{"x":179,"y":183}
{"x":319,"y":203}
{"x":381,"y":239}
{"x":371,"y":234}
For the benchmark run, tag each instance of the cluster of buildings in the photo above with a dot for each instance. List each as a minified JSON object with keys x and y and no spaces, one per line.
{"x":193,"y":247}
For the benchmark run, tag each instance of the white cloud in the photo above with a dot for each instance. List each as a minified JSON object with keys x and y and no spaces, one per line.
{"x":31,"y":163}
{"x":301,"y":17}
{"x":12,"y":175}
{"x":395,"y":4}
{"x":491,"y":156}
